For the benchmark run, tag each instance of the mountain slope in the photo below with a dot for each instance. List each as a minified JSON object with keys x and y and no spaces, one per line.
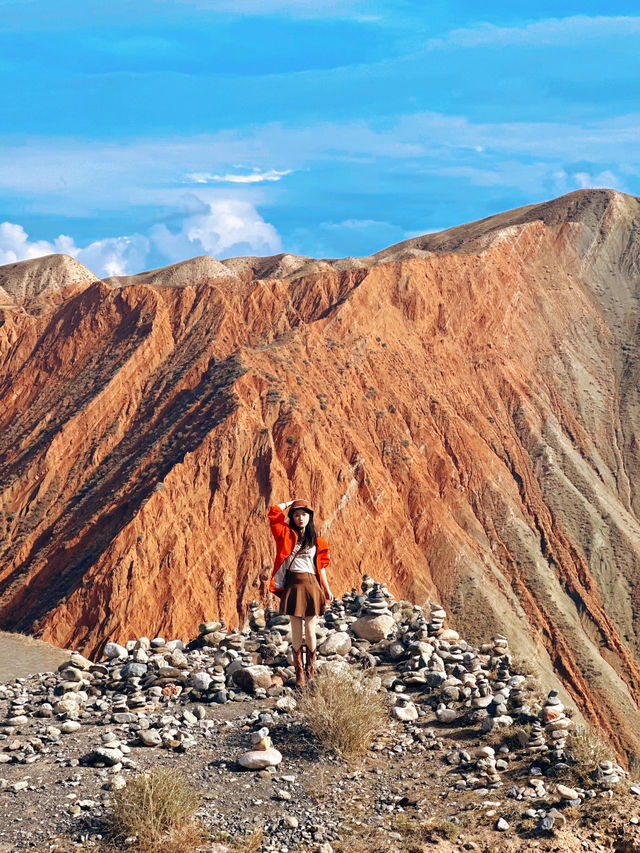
{"x":462,"y":408}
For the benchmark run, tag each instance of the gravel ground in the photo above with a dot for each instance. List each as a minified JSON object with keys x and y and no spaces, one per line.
{"x":377,"y":803}
{"x":472,"y":756}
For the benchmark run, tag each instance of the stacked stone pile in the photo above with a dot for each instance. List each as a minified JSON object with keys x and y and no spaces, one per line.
{"x":152,"y":694}
{"x":262,"y":754}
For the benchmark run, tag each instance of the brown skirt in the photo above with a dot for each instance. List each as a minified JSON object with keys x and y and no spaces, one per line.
{"x":302,"y":596}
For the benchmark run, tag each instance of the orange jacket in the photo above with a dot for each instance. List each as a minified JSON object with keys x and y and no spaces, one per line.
{"x":286,"y":538}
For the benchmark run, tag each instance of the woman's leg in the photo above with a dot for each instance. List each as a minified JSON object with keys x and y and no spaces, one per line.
{"x":310,"y":632}
{"x":310,"y":640}
{"x":296,"y":642}
{"x":296,"y":632}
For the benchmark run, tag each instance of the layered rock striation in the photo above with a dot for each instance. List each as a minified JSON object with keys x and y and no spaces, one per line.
{"x":462,"y":408}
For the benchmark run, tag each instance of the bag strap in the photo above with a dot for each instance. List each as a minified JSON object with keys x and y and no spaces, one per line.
{"x":292,"y":556}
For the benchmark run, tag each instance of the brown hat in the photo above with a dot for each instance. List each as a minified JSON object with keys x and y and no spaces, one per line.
{"x":300,"y":504}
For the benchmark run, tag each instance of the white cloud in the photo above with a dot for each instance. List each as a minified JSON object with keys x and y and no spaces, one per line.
{"x":255,"y":177}
{"x":551,"y":31}
{"x":111,"y":256}
{"x":50,"y":175}
{"x":587,"y":180}
{"x":222,"y":227}
{"x":16,"y":246}
{"x":529,"y":178}
{"x":115,"y":255}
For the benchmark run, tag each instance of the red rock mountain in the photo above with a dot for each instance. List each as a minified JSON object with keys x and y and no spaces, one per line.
{"x":462,"y":408}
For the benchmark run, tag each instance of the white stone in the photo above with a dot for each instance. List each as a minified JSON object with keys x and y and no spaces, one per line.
{"x":259,"y":759}
{"x":449,"y":636}
{"x":80,"y":661}
{"x":107,"y":755}
{"x":150,"y":737}
{"x":567,"y":793}
{"x":70,"y":726}
{"x":338,"y":643}
{"x":374,"y":628}
{"x":405,"y":713}
{"x":446,"y":715}
{"x":200,"y":680}
{"x":66,"y":704}
{"x":114,"y":650}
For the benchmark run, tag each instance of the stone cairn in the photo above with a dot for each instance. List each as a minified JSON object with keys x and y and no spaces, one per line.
{"x":155,"y":694}
{"x":262,"y":755}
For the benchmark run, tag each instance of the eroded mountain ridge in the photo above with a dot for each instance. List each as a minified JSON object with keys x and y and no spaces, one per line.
{"x":462,"y":408}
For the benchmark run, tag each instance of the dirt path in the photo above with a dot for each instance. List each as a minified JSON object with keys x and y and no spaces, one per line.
{"x":21,"y":656}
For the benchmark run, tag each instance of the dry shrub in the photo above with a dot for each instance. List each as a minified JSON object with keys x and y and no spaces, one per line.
{"x":344,"y":710}
{"x":430,"y":829}
{"x":366,"y":839}
{"x":158,"y":810}
{"x":251,"y":844}
{"x":586,"y":748}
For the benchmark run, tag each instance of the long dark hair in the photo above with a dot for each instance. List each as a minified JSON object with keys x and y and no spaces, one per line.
{"x":308,"y":539}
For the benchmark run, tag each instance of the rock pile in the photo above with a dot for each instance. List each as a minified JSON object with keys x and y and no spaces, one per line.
{"x":262,"y":755}
{"x":152,"y":694}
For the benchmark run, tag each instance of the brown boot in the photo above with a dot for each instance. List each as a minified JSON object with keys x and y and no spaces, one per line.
{"x":310,"y":664}
{"x":298,"y":662}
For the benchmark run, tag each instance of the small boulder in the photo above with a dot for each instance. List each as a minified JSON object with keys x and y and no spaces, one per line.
{"x":79,"y":661}
{"x":449,"y":635}
{"x":114,"y":650}
{"x":405,"y":713}
{"x":200,"y":680}
{"x":567,"y":793}
{"x":150,"y":737}
{"x":260,"y":759}
{"x":250,"y":678}
{"x":374,"y":628}
{"x":338,"y":643}
{"x":105,"y":755}
{"x":134,"y":670}
{"x":446,"y":715}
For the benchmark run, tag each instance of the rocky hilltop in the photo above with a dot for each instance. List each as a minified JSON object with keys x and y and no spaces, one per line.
{"x":462,"y":409}
{"x":428,"y":743}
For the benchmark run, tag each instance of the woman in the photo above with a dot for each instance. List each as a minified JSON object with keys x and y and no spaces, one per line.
{"x":299,"y":578}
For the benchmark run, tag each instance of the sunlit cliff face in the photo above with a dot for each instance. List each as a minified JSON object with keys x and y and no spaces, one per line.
{"x":462,"y":410}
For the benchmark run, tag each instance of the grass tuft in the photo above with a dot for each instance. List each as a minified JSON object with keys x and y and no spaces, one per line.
{"x":344,"y":710}
{"x":586,"y":748}
{"x":156,"y":810}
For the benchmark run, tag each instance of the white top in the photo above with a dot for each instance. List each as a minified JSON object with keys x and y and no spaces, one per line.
{"x":303,"y":561}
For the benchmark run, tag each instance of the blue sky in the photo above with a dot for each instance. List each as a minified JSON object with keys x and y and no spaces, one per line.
{"x":137,"y":134}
